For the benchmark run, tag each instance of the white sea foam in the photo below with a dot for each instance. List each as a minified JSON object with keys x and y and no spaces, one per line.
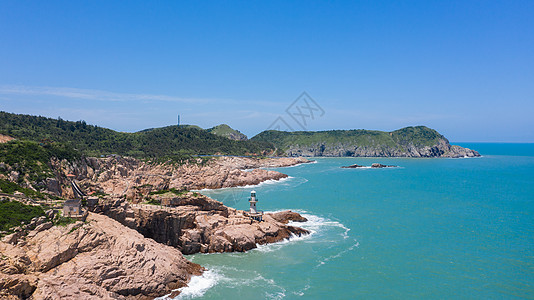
{"x":275,"y":296}
{"x":301,"y":292}
{"x":337,"y":255}
{"x":314,"y":224}
{"x":197,"y":287}
{"x":292,"y":166}
{"x":266,"y":182}
{"x":276,"y":246}
{"x":233,"y":277}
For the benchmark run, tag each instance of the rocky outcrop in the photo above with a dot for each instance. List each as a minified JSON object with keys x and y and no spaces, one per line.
{"x":374,"y":166}
{"x":286,"y":216}
{"x":117,"y":176}
{"x":5,"y":138}
{"x":227,"y":132}
{"x":99,"y":259}
{"x":441,"y":149}
{"x":201,"y":224}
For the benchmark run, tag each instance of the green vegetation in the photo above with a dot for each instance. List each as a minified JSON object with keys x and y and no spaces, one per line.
{"x":172,"y":190}
{"x":31,"y":159}
{"x":152,"y":201}
{"x":418,"y":136}
{"x":172,"y":142}
{"x":63,"y":221}
{"x":11,"y":187}
{"x":13,"y":213}
{"x":176,"y":144}
{"x":227,"y":132}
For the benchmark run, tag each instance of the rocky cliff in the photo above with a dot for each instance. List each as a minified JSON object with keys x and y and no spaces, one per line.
{"x":419,"y":141}
{"x":118,"y":176}
{"x":441,"y":149}
{"x":196,"y":223}
{"x":98,"y":259}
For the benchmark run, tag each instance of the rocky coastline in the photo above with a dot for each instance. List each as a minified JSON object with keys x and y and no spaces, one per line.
{"x":127,"y":249}
{"x":96,"y":259}
{"x":199,"y":224}
{"x":135,"y":179}
{"x":441,"y":149}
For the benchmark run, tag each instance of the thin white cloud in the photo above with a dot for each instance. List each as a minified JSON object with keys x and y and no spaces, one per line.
{"x":98,"y":95}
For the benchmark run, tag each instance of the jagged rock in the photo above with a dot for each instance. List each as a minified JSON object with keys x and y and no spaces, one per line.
{"x":286,"y":216}
{"x":14,"y":176}
{"x":37,"y":221}
{"x":377,"y":165}
{"x":100,"y":259}
{"x":201,"y":224}
{"x":374,"y":165}
{"x":53,"y":186}
{"x":352,"y":166}
{"x":5,"y":138}
{"x":442,"y":148}
{"x":12,"y":238}
{"x":50,"y":214}
{"x":17,"y":286}
{"x":134,"y":178}
{"x":42,"y":227}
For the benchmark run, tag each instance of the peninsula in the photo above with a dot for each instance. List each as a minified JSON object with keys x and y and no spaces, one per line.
{"x":419,"y":141}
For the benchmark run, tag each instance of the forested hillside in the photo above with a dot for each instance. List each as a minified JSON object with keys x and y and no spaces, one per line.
{"x":169,"y":142}
{"x":419,"y":141}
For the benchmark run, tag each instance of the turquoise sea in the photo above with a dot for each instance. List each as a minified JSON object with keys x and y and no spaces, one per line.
{"x":432,"y":229}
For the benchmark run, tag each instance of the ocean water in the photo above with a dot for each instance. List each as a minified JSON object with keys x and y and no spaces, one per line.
{"x":432,"y":228}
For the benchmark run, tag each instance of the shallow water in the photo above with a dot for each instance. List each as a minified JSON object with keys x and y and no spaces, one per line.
{"x":432,"y":228}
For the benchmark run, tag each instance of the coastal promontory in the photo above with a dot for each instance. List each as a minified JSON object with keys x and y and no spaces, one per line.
{"x":419,"y":141}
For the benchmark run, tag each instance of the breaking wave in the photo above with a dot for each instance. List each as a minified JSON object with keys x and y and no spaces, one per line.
{"x":315,"y":225}
{"x":197,"y":287}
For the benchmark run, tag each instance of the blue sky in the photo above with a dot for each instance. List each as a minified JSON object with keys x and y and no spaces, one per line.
{"x":464,"y":68}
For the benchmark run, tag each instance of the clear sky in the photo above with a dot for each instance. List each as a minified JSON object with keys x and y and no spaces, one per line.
{"x":464,"y":68}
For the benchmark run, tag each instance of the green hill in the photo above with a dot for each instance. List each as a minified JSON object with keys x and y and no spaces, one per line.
{"x":166,"y":142}
{"x":178,"y":142}
{"x":227,"y":132}
{"x":417,"y":141}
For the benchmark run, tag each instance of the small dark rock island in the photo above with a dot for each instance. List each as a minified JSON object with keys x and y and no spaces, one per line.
{"x":374,"y":166}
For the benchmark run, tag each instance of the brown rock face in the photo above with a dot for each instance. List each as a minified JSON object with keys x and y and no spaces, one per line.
{"x":5,"y":138}
{"x":100,"y":259}
{"x":286,"y":216}
{"x":201,"y":224}
{"x":119,"y":176}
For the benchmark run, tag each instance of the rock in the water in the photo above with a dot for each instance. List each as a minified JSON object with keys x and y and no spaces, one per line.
{"x":286,"y":216}
{"x":352,"y":166}
{"x":377,"y":165}
{"x":374,"y":165}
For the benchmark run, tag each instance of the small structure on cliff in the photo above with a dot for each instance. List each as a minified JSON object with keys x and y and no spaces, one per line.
{"x":254,"y":214}
{"x":72,"y":207}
